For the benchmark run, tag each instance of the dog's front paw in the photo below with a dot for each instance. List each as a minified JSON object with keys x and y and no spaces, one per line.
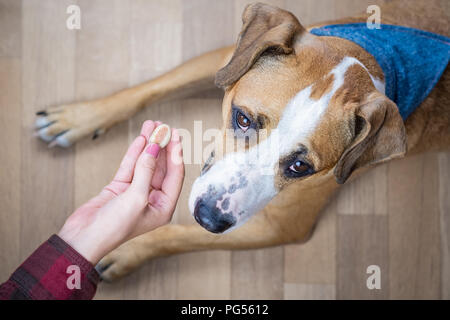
{"x":118,"y":263}
{"x":66,"y":124}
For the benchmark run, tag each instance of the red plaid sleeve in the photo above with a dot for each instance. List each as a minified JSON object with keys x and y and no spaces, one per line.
{"x":54,"y":271}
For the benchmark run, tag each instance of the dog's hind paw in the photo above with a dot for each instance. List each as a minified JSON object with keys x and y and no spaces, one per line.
{"x":64,"y":125}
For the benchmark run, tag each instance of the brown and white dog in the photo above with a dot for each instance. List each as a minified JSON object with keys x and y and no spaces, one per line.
{"x":324,"y":98}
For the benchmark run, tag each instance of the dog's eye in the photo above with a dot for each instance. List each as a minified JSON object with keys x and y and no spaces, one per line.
{"x":299,"y":168}
{"x":242,"y":121}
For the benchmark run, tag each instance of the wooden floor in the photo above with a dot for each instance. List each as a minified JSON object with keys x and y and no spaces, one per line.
{"x":397,"y":216}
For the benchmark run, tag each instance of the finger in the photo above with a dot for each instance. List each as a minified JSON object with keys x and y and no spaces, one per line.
{"x":126,"y":169}
{"x":147,"y":128}
{"x":160,"y":171}
{"x":145,"y":168}
{"x":173,"y":180}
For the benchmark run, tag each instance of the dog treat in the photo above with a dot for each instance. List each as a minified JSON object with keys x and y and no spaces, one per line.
{"x":161,"y":135}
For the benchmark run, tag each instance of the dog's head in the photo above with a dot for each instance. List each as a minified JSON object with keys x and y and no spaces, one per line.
{"x":302,"y":109}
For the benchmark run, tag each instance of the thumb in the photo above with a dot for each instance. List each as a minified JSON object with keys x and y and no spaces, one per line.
{"x":145,"y":168}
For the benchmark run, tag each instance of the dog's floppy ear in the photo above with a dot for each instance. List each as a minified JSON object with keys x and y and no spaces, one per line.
{"x":264,"y":27}
{"x":379,"y":136}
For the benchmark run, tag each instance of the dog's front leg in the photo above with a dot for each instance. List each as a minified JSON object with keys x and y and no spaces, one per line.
{"x":172,"y":239}
{"x":63,"y":125}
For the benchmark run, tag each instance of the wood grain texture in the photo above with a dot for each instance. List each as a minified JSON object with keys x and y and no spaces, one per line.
{"x":301,"y":291}
{"x":314,"y":262}
{"x":444,"y":210}
{"x":10,"y":28}
{"x":48,"y":78}
{"x":362,"y":242}
{"x":10,"y":159}
{"x":10,"y":137}
{"x":396,"y":216}
{"x":414,"y":242}
{"x":366,"y":194}
{"x":257,"y":274}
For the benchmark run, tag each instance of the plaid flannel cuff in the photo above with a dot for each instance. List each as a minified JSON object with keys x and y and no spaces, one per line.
{"x":55,"y":271}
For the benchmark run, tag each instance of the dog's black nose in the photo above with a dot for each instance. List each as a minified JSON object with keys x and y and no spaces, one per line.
{"x":212,"y":219}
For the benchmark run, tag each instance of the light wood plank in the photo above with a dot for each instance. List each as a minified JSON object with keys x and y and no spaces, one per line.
{"x":414,"y":240}
{"x":10,"y":134}
{"x":10,"y":28}
{"x":10,"y":159}
{"x":157,"y":279}
{"x":48,"y":72}
{"x":312,"y":11}
{"x":366,"y":194}
{"x":314,"y":262}
{"x":206,"y":26}
{"x":444,"y":208}
{"x":257,"y":274}
{"x":353,"y":7}
{"x":104,"y":36}
{"x":155,"y":38}
{"x":300,"y":291}
{"x":362,"y":242}
{"x":204,"y":275}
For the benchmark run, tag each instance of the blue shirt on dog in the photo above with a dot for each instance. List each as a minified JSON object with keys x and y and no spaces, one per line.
{"x":412,"y":60}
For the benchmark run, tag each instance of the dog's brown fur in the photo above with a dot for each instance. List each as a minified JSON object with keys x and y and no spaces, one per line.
{"x":291,"y":215}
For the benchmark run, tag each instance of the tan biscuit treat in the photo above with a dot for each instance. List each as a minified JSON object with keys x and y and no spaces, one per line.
{"x":161,"y":135}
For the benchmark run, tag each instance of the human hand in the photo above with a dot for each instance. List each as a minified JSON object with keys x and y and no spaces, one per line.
{"x":141,"y":197}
